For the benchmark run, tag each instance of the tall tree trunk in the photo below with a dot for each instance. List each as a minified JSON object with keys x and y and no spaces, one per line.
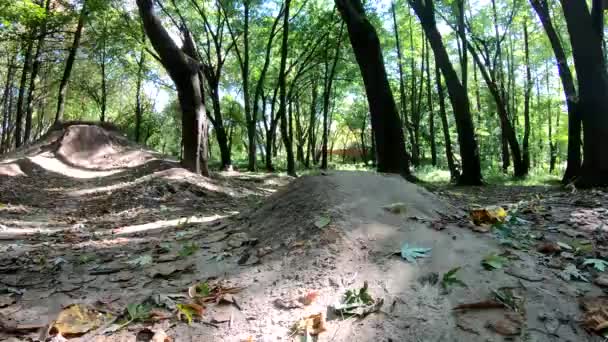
{"x":454,"y":175}
{"x":291,"y":165}
{"x":7,"y":100}
{"x":249,"y":118}
{"x":104,"y":88}
{"x":471,"y":168}
{"x":63,"y":85}
{"x":183,"y":67}
{"x":218,"y":122}
{"x":139,"y":110}
{"x":330,"y":73}
{"x":310,"y":149}
{"x":402,"y":95}
{"x":35,"y":70}
{"x":27,"y":63}
{"x":390,"y":146}
{"x":528,"y":88}
{"x":552,"y":147}
{"x":574,"y":116}
{"x":429,"y":99}
{"x":590,"y":65}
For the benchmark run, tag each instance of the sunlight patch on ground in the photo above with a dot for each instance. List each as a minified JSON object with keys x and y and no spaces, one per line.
{"x":54,"y":165}
{"x":11,"y":170}
{"x":166,"y":224}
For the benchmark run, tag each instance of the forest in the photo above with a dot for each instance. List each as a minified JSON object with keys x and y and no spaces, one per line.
{"x":474,"y":87}
{"x":303,"y":170}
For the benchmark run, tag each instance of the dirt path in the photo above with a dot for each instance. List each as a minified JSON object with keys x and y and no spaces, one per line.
{"x":131,"y":230}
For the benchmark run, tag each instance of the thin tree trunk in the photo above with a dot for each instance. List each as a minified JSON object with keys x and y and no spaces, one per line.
{"x":574,"y":117}
{"x":7,"y":100}
{"x":471,"y":168}
{"x":402,"y":94}
{"x":35,"y":70}
{"x":329,"y":79}
{"x":528,"y":88}
{"x":63,"y":85}
{"x":430,"y":110}
{"x":291,"y":167}
{"x":454,"y":175}
{"x":27,"y":63}
{"x":390,"y":146}
{"x":139,"y":110}
{"x":310,"y":149}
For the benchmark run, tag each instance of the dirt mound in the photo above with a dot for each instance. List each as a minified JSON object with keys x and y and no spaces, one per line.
{"x":81,"y":146}
{"x":291,"y":213}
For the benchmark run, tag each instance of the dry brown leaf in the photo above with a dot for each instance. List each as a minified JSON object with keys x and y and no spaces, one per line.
{"x":161,"y":336}
{"x":312,"y":325}
{"x":549,"y":248}
{"x":595,"y":317}
{"x":487,"y":304}
{"x":309,"y":297}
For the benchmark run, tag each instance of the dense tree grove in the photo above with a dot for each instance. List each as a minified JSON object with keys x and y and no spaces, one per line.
{"x":470,"y":86}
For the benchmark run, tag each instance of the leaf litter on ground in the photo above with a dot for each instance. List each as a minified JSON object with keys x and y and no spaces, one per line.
{"x":358,"y":302}
{"x":451,"y":279}
{"x":322,"y":222}
{"x":410,"y":253}
{"x":598,"y":264}
{"x":494,"y":261}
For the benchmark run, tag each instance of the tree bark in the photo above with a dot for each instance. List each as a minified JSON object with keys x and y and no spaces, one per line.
{"x":590,"y":65}
{"x":402,"y":93}
{"x":63,"y":85}
{"x":139,"y":110}
{"x":27,"y":64}
{"x":310,"y":149}
{"x":35,"y":70}
{"x":574,"y":117}
{"x":291,"y":165}
{"x":183,"y":68}
{"x":454,"y":175}
{"x":528,"y":88}
{"x":471,"y":168}
{"x":330,"y":73}
{"x":7,"y":100}
{"x":390,"y":146}
{"x":429,"y":99}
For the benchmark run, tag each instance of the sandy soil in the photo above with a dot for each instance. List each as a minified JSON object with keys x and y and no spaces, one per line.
{"x":87,"y":217}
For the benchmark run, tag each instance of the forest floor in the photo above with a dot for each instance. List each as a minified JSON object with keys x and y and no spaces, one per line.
{"x":102,"y":240}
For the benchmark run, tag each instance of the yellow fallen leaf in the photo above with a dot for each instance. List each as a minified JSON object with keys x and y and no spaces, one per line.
{"x":77,"y":319}
{"x":312,"y":325}
{"x":488,"y":215}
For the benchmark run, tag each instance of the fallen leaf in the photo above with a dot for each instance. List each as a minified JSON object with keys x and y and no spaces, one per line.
{"x":322,"y":222}
{"x":309,"y":297}
{"x":141,"y":261}
{"x":10,"y":326}
{"x":595,"y":314}
{"x":549,"y":248}
{"x":412,"y":253}
{"x":572,"y":273}
{"x":312,"y":325}
{"x":214,"y":237}
{"x":396,"y":208}
{"x":488,"y":215}
{"x":77,"y":319}
{"x":358,"y":303}
{"x":189,"y":311}
{"x":598,"y":264}
{"x":494,"y":261}
{"x":483,"y":305}
{"x":564,"y":246}
{"x":506,"y":327}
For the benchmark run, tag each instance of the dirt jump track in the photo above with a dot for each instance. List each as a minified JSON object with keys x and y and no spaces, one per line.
{"x":95,"y":224}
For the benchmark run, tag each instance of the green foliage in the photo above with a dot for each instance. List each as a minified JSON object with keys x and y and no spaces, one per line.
{"x":450,"y":279}
{"x":188,"y":249}
{"x":494,"y":261}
